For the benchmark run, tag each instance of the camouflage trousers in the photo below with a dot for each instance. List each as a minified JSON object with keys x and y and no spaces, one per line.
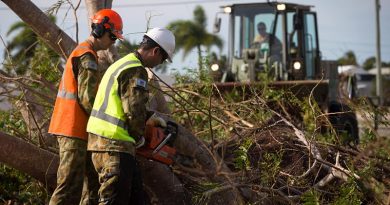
{"x":120,"y":178}
{"x":77,"y":181}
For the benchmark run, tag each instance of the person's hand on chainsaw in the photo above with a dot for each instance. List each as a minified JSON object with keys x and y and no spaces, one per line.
{"x":140,"y":142}
{"x":156,"y":121}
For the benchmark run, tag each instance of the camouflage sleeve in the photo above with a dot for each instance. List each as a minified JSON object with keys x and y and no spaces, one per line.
{"x":134,"y":94}
{"x":88,"y":79}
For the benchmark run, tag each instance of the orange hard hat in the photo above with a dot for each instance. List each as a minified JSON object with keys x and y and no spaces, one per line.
{"x":114,"y":23}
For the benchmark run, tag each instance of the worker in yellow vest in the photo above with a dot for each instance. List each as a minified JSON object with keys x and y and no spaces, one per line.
{"x":72,"y":108}
{"x":117,"y":122}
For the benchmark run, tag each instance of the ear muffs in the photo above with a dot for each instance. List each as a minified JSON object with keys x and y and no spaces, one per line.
{"x":98,"y":29}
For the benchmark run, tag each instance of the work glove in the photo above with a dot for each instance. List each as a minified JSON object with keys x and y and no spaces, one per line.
{"x":140,"y":142}
{"x":156,"y":121}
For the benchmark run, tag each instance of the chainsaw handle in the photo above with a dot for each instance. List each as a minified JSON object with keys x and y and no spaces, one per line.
{"x":171,"y":128}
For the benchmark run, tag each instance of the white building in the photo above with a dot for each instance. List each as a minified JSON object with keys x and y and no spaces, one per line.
{"x":365,"y":80}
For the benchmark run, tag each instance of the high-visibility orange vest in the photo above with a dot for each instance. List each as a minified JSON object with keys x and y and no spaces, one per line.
{"x":68,"y":118}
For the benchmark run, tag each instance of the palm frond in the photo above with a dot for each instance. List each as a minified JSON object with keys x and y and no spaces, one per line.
{"x":54,"y":8}
{"x":16,"y":26}
{"x":192,"y":34}
{"x":200,"y":17}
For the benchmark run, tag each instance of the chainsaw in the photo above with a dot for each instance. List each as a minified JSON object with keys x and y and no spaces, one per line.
{"x":159,"y":143}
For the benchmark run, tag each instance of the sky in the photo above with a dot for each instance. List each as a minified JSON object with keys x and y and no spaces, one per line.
{"x":343,"y":24}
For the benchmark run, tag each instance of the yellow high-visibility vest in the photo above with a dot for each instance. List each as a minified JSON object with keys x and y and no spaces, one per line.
{"x":107,"y":117}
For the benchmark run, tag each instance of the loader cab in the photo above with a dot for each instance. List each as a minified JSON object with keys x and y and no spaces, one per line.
{"x":278,"y":39}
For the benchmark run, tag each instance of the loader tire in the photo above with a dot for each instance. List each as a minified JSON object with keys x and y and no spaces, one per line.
{"x":345,"y":123}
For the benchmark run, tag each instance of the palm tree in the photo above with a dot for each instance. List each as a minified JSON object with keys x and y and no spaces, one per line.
{"x":349,"y":58}
{"x":192,"y":34}
{"x":371,"y":63}
{"x":22,"y":47}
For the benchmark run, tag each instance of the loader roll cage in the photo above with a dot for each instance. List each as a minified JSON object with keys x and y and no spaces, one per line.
{"x":291,"y":51}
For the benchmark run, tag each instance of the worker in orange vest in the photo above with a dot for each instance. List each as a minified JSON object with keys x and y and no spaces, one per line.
{"x":75,"y":98}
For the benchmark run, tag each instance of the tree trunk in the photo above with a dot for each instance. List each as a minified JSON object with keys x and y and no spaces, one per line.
{"x":200,"y":60}
{"x":36,"y":162}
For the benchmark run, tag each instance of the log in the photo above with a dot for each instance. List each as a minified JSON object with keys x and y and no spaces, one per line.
{"x":30,"y":159}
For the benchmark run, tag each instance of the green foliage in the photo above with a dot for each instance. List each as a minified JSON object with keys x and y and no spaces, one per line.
{"x":311,"y":197}
{"x":349,"y":193}
{"x":11,"y":122}
{"x":270,"y":166}
{"x":346,"y":194}
{"x":384,"y":152}
{"x":204,"y":71}
{"x":367,"y":136}
{"x":201,"y":191}
{"x":241,"y":160}
{"x":190,"y":116}
{"x":22,"y":48}
{"x":261,"y":115}
{"x":310,"y":114}
{"x":191,"y":76}
{"x":273,"y":95}
{"x":45,"y":62}
{"x":20,"y":188}
{"x":370,"y":63}
{"x":349,"y":58}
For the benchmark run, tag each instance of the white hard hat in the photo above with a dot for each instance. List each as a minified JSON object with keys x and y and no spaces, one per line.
{"x":164,"y":38}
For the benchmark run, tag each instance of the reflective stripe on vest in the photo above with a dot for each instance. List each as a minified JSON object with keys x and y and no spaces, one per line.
{"x":113,"y":120}
{"x":68,"y":118}
{"x":100,"y":113}
{"x":107,"y":118}
{"x":66,"y":95}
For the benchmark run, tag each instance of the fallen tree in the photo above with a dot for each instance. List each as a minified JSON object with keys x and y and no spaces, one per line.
{"x":277,"y":151}
{"x":21,"y":155}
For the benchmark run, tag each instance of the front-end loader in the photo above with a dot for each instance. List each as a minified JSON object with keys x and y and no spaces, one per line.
{"x":290,"y":55}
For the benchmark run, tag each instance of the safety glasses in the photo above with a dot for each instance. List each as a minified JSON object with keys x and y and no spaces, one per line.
{"x":164,"y":54}
{"x":113,"y":37}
